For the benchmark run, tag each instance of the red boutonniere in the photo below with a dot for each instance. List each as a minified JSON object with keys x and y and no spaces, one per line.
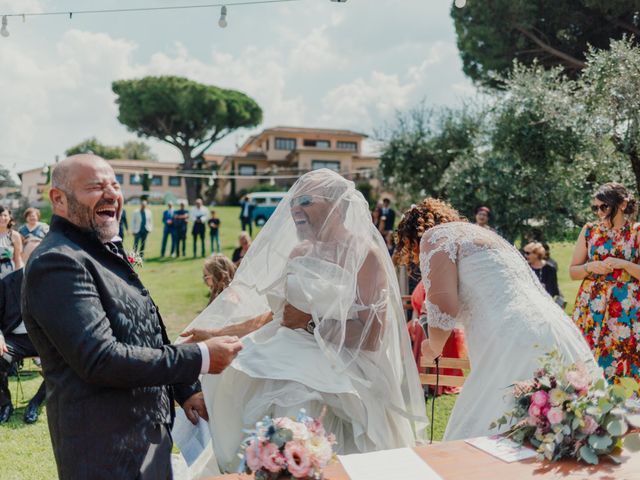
{"x":134,"y":259}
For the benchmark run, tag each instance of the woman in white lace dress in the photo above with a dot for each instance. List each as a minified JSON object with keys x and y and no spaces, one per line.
{"x":474,"y":277}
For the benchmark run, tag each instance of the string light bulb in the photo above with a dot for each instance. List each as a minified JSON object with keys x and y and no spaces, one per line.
{"x":460,"y":3}
{"x":4,"y":31}
{"x":222,"y":23}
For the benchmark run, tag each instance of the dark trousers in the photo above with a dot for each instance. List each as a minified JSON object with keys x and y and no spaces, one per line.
{"x":157,"y":462}
{"x":198,"y":232}
{"x":168,"y":232}
{"x":214,"y":236}
{"x":19,"y":347}
{"x":246,"y":225}
{"x":181,"y":241}
{"x":139,"y":239}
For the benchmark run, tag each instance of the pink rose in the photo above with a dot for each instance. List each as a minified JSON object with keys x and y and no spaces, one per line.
{"x":540,"y":398}
{"x":590,"y":425}
{"x":252,"y":456}
{"x":555,"y":416}
{"x":298,"y":459}
{"x":271,"y":458}
{"x":534,"y":410}
{"x":579,"y":379}
{"x":544,"y":410}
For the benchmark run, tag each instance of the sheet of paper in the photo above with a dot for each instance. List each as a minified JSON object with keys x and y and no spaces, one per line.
{"x":502,"y":448}
{"x":191,"y":439}
{"x":401,"y":463}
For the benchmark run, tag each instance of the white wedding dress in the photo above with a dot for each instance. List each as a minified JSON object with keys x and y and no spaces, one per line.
{"x":509,"y":320}
{"x":280,"y":370}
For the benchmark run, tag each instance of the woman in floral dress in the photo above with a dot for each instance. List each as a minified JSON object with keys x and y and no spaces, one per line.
{"x":606,"y":259}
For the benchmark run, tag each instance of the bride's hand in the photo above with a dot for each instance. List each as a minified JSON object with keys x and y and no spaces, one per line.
{"x":198,"y":335}
{"x":427,"y":352}
{"x":294,"y":318}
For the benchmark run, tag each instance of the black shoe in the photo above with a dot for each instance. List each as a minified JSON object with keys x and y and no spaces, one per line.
{"x":31,"y":413}
{"x":5,"y":412}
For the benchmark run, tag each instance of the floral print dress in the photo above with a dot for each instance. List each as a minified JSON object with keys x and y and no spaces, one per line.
{"x":607,"y":306}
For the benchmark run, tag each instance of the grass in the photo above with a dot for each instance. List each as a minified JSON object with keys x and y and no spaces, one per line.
{"x":176,"y":286}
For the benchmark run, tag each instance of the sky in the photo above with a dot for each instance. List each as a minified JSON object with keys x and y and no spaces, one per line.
{"x":310,"y":63}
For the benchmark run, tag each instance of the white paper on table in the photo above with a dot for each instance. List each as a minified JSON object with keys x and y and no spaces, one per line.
{"x":191,"y":439}
{"x":502,"y":448}
{"x":401,"y":463}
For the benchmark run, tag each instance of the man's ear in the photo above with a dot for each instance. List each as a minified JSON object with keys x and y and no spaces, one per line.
{"x":58,"y":199}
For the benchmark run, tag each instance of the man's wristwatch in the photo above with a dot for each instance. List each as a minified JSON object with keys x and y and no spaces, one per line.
{"x":311,"y":326}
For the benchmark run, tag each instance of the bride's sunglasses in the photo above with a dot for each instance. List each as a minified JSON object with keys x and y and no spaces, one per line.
{"x":302,"y":201}
{"x":603,"y":207}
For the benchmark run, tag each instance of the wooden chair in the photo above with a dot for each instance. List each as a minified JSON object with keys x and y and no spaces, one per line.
{"x":444,"y":380}
{"x":407,"y":306}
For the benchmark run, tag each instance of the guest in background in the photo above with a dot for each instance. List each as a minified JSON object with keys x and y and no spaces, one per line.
{"x":180,"y":221}
{"x":217,"y":273}
{"x":547,"y":252}
{"x":15,"y":344}
{"x":246,"y":214}
{"x":535,"y":254}
{"x":168,"y":230}
{"x":123,"y":225}
{"x":214,"y":231}
{"x":606,"y":259}
{"x":483,"y":216}
{"x":453,"y":348}
{"x":238,"y":254}
{"x":10,"y":244}
{"x":375,"y":214}
{"x":199,"y":216}
{"x":387,"y":217}
{"x":33,"y":226}
{"x":141,"y":226}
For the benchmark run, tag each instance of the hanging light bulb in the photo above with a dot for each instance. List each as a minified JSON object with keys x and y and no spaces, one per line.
{"x":272,"y":182}
{"x":3,"y":31}
{"x":222,"y":23}
{"x":211,"y":180}
{"x":136,"y":178}
{"x":460,"y":3}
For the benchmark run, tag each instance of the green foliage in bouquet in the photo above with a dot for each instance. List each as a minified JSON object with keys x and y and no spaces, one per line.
{"x":563,"y":413}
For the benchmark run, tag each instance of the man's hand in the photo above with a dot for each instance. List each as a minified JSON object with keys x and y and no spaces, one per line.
{"x":3,"y":346}
{"x":195,"y":407}
{"x":294,"y":318}
{"x":427,"y":351}
{"x":222,"y":351}
{"x":198,"y":334}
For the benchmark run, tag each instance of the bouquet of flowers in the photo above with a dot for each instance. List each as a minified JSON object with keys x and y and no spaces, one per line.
{"x":562,"y":413}
{"x":287,"y":448}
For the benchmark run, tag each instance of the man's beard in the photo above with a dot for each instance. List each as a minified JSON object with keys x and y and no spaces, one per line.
{"x":83,"y":217}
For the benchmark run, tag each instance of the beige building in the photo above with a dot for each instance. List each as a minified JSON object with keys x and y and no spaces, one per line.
{"x":275,"y":156}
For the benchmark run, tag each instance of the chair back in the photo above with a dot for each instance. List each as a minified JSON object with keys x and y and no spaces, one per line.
{"x":444,"y":380}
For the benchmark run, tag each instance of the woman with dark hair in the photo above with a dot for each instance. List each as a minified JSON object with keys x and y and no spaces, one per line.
{"x":483,"y":215}
{"x":535,"y":254}
{"x":474,"y":277}
{"x":10,"y":244}
{"x":606,"y":258}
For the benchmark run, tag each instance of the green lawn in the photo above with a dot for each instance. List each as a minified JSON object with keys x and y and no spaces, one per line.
{"x":176,"y":285}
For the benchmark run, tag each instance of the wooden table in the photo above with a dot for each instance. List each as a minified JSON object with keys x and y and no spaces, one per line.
{"x":460,"y":461}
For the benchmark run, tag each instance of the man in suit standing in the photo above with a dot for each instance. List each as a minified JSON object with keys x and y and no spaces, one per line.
{"x":141,"y":226}
{"x":246,"y":214}
{"x":387,"y":217}
{"x":180,"y":221}
{"x":168,"y":230}
{"x":124,"y":225}
{"x":110,"y":370}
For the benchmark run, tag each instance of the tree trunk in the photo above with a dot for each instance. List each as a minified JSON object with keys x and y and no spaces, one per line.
{"x":191,"y":183}
{"x":634,"y":158}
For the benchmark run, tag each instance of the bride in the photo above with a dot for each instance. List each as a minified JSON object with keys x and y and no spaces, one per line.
{"x":475,"y":277}
{"x":317,"y":303}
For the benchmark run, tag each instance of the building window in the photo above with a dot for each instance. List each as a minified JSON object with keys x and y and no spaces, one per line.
{"x":285,"y":143}
{"x":120,"y":178}
{"x":156,"y":181}
{"x":317,"y":143}
{"x":353,"y":146}
{"x":175,"y":181}
{"x":246,"y":170}
{"x":135,"y":179}
{"x":331,"y":165}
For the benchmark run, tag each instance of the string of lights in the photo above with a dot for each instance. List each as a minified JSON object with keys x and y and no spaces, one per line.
{"x":222,"y":22}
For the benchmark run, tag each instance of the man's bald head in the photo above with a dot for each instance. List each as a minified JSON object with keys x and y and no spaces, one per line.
{"x":84,"y":190}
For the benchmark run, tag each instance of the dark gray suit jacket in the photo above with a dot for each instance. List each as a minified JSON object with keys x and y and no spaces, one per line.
{"x":10,"y":316}
{"x":105,"y":355}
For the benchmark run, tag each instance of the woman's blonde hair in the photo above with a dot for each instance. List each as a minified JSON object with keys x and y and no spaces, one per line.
{"x":221,"y":270}
{"x":536,"y":248}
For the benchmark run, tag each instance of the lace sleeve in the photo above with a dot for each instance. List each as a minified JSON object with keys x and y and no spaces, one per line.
{"x":440,"y":276}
